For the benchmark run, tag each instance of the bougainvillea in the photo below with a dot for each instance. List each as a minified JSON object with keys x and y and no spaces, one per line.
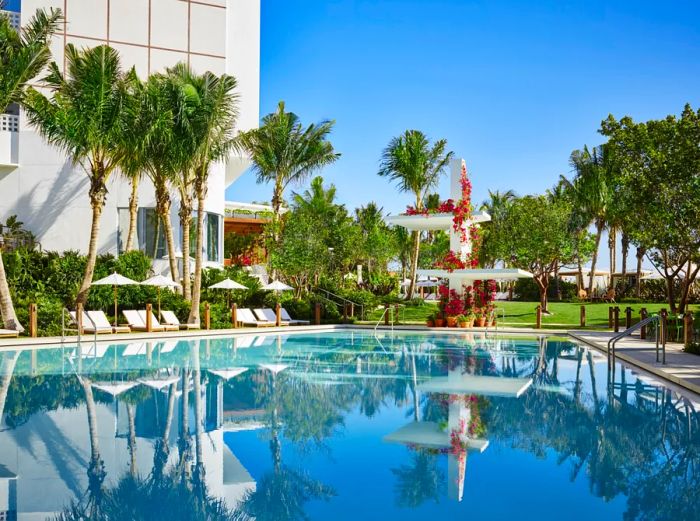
{"x":451,"y":262}
{"x":454,"y":305}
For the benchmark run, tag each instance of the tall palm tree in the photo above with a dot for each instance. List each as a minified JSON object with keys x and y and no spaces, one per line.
{"x":284,"y":152}
{"x":416,"y":166}
{"x":164,"y":151}
{"x":212,"y":111}
{"x":22,"y":57}
{"x":592,"y":193}
{"x":87,"y":116}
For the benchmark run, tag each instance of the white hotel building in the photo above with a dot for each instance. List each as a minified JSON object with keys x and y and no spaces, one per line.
{"x":39,"y":184}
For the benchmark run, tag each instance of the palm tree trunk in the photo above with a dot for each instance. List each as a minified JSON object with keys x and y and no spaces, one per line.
{"x":625,"y":254}
{"x":612,"y":245}
{"x":414,"y":264}
{"x":133,"y":213}
{"x":197,"y":289}
{"x":8,"y":369}
{"x":97,"y":206}
{"x":185,"y":220}
{"x":163,"y":206}
{"x":277,"y":194}
{"x":640,"y":257}
{"x":198,"y":418}
{"x":594,"y":259}
{"x":7,"y":309}
{"x":96,"y":471}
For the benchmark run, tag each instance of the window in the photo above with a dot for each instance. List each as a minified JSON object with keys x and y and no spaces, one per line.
{"x":213,"y":229}
{"x":151,"y":236}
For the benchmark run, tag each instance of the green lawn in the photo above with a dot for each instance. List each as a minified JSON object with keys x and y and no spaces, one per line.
{"x":564,"y":315}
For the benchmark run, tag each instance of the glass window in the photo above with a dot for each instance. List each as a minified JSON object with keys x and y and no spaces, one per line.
{"x":213,"y":223}
{"x":151,"y":234}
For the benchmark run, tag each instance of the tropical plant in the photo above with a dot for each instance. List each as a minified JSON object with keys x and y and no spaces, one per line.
{"x":209,"y":119}
{"x":23,"y":55}
{"x":88,"y":117}
{"x":593,"y":196}
{"x":416,"y":166}
{"x":284,"y":152}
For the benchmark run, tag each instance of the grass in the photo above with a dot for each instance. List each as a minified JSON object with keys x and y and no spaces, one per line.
{"x":564,"y":315}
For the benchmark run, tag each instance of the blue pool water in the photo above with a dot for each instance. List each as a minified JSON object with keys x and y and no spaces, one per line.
{"x":343,"y":426}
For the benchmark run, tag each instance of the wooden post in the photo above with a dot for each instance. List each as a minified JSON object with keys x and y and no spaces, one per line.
{"x":610,"y":317}
{"x":345,"y":312}
{"x":234,"y":316}
{"x":643,"y":316}
{"x":79,"y":317}
{"x":32,"y":320}
{"x":149,"y":322}
{"x":687,"y":329}
{"x":278,"y":314}
{"x":396,"y":317}
{"x":628,"y":317}
{"x":207,"y":316}
{"x":538,"y":319}
{"x":386,"y":314}
{"x":583,"y":316}
{"x":664,"y":326}
{"x":317,"y":314}
{"x":352,"y":309}
{"x":616,"y":318}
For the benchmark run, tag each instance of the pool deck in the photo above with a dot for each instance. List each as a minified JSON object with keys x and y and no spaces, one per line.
{"x":681,"y":368}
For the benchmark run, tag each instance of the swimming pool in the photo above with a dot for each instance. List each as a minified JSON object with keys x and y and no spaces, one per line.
{"x":341,"y":425}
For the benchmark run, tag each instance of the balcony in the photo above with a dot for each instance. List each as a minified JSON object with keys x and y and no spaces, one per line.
{"x":15,"y":20}
{"x":9,"y":142}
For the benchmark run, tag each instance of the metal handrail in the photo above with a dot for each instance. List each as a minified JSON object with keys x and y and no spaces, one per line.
{"x":386,"y":310}
{"x":77,"y":323}
{"x":344,"y":300}
{"x":628,"y":332}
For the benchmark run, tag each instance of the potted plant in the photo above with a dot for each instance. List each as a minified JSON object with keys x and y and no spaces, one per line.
{"x":430,"y":320}
{"x":480,"y":320}
{"x":470,"y":319}
{"x":453,"y":308}
{"x":463,"y":321}
{"x":439,"y":320}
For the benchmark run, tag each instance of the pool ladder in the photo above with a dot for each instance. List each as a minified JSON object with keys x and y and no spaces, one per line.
{"x":659,"y":333}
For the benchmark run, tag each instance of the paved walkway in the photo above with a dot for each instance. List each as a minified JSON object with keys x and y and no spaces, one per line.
{"x":681,"y":368}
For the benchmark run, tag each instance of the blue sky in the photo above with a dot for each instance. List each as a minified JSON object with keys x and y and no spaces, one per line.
{"x":513,"y":86}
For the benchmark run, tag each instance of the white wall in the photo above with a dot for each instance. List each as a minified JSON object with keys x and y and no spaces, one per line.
{"x":47,"y":192}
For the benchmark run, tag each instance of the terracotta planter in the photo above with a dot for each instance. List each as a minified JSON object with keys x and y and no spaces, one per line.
{"x":430,"y":323}
{"x":439,"y":322}
{"x":451,"y":321}
{"x":463,"y":325}
{"x":471,"y":323}
{"x":480,"y":321}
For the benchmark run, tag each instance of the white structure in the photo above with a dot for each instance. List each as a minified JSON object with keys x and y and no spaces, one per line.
{"x":463,"y":248}
{"x":50,"y":195}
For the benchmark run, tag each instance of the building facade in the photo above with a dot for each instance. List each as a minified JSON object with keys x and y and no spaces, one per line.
{"x":49,"y":194}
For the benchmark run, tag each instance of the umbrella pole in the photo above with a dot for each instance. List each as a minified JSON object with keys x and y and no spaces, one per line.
{"x":158,"y":302}
{"x":115,"y":305}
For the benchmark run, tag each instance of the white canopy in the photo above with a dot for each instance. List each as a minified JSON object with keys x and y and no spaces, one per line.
{"x":114,"y":388}
{"x":160,"y":281}
{"x":276,"y":285}
{"x":114,"y":280}
{"x":159,"y":383}
{"x":227,"y":374}
{"x":478,"y":274}
{"x":274,"y":368}
{"x":227,"y":284}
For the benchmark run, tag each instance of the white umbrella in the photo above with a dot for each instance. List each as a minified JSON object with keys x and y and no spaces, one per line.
{"x":115,"y":280}
{"x":229,"y":285}
{"x":160,"y":281}
{"x":114,"y":388}
{"x":276,"y":285}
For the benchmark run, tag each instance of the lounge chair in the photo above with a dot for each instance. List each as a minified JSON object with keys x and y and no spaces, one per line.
{"x":8,"y":333}
{"x":168,"y":318}
{"x":156,"y":324}
{"x":101,"y":322}
{"x":245,"y":316}
{"x":87,"y":326}
{"x":269,"y":316}
{"x":293,"y":321}
{"x":137,"y":321}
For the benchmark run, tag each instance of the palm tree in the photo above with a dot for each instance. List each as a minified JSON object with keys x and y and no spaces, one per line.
{"x":284,"y":152}
{"x":211,"y":120}
{"x":496,"y":206}
{"x":593,"y":194}
{"x":164,"y":151}
{"x":416,"y":166}
{"x":87,"y":116}
{"x":22,"y":57}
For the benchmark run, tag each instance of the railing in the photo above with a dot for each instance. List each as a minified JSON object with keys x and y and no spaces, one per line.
{"x":66,"y":312}
{"x":15,"y":18}
{"x":381,"y":318}
{"x":494,"y":315}
{"x":660,"y":335}
{"x":9,"y":123}
{"x":343,"y":301}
